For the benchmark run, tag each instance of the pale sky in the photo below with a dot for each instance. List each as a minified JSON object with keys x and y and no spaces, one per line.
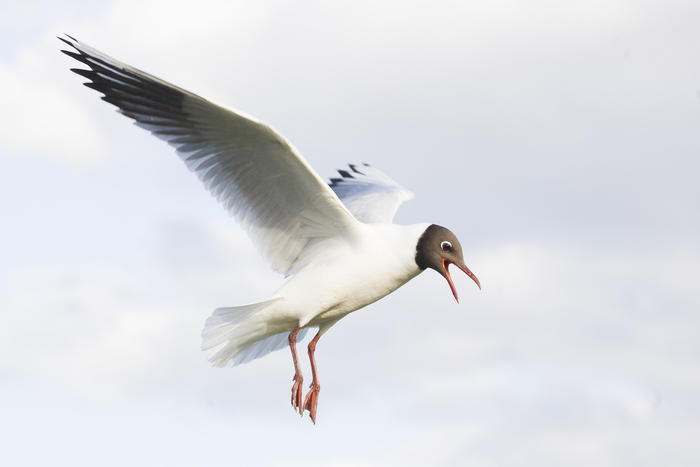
{"x":558,"y":140}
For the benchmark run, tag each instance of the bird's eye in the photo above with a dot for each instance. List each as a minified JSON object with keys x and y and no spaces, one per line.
{"x":446,"y":246}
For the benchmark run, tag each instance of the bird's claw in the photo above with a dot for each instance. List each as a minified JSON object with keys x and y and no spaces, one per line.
{"x":297,"y":390}
{"x":311,"y":401}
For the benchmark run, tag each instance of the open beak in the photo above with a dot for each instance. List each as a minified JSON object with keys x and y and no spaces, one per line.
{"x":445,"y":264}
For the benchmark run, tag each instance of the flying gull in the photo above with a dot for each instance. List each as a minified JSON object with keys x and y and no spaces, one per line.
{"x":336,"y":242}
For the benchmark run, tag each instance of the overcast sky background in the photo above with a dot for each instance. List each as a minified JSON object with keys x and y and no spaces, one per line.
{"x":558,"y":140}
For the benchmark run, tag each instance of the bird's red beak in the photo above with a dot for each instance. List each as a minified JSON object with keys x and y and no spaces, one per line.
{"x":445,"y":264}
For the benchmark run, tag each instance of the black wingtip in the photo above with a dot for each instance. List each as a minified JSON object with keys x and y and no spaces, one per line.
{"x":354,"y":168}
{"x":89,"y":74}
{"x":75,"y":55}
{"x":66,"y":41}
{"x":345,"y":174}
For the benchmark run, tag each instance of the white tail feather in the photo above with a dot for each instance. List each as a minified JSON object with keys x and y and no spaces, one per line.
{"x":236,"y":337}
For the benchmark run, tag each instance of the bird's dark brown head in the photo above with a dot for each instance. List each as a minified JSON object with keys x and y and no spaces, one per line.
{"x":437,"y":248}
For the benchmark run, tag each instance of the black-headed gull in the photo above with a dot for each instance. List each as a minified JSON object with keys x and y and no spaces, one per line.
{"x":337,"y":243}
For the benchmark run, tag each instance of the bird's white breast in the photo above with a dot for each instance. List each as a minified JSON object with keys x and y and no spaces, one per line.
{"x":346,"y":276}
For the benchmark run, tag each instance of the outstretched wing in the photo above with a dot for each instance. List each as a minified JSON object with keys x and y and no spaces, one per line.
{"x":253,"y":171}
{"x":370,"y":195}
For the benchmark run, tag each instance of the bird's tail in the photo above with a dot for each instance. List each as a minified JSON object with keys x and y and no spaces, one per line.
{"x":235,"y":336}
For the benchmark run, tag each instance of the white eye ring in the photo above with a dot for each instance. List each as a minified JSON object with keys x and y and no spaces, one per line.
{"x":446,"y":246}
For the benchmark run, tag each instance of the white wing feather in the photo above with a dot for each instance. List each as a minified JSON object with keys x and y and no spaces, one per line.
{"x":259,"y":177}
{"x":369,"y":194}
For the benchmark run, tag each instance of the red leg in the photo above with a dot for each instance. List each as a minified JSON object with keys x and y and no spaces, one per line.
{"x":298,"y":378}
{"x":311,"y":401}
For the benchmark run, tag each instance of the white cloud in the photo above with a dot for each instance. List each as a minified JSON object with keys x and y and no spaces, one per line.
{"x":114,"y":332}
{"x":40,"y":119}
{"x":79,"y":331}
